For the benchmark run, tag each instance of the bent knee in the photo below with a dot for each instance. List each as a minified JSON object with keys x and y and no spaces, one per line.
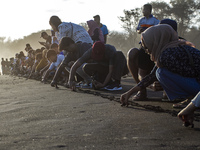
{"x":132,"y":53}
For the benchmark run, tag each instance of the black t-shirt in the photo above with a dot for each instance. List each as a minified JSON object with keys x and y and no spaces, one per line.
{"x":81,"y":49}
{"x":108,"y":56}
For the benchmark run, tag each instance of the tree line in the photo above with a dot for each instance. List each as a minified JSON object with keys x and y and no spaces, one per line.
{"x":185,"y":12}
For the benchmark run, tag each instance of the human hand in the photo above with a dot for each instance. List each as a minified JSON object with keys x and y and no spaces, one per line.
{"x":97,"y":84}
{"x":186,"y":115}
{"x":187,"y":120}
{"x":124,"y":99}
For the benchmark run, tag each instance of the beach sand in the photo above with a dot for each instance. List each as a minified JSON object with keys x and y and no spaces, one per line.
{"x":36,"y":116}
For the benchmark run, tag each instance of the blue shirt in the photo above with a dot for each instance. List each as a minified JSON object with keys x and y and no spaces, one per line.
{"x":147,"y":22}
{"x":104,"y":29}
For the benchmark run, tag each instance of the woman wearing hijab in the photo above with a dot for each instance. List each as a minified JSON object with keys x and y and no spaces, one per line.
{"x":95,"y":31}
{"x":178,"y":63}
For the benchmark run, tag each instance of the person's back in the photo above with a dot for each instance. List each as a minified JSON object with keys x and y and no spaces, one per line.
{"x":73,"y":52}
{"x":76,"y":32}
{"x":108,"y":56}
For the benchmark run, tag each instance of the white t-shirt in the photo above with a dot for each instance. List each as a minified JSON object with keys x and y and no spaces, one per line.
{"x":54,"y":65}
{"x":74,"y":31}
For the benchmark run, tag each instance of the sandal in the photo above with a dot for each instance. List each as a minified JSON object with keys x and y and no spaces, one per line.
{"x":182,"y":104}
{"x":156,"y":86}
{"x":141,"y":95}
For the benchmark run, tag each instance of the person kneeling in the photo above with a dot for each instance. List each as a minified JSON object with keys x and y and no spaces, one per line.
{"x":107,"y":68}
{"x":55,"y":62}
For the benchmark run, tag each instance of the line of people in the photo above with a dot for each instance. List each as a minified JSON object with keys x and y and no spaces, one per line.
{"x":6,"y":65}
{"x":80,"y":58}
{"x":169,"y":61}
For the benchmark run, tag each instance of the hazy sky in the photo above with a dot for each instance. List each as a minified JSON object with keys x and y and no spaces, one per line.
{"x":22,"y":17}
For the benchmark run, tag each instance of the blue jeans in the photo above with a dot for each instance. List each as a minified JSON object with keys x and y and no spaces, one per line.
{"x":177,"y":86}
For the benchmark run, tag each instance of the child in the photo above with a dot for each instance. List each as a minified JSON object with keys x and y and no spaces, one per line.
{"x":55,"y":60}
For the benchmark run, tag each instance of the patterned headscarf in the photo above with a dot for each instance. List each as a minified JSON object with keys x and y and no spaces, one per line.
{"x":158,"y":38}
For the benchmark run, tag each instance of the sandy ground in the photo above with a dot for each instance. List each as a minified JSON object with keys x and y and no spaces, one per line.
{"x":36,"y":116}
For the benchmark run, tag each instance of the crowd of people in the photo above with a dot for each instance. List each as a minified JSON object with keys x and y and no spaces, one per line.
{"x":6,"y":65}
{"x":74,"y":57}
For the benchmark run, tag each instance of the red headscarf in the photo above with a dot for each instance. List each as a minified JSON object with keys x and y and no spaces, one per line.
{"x":98,"y":51}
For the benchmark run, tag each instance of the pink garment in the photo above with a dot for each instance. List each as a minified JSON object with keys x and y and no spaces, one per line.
{"x":92,"y":26}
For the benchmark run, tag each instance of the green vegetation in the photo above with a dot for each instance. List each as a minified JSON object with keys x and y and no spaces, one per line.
{"x":185,"y":12}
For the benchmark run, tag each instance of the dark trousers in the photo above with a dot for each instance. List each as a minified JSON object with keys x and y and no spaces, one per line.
{"x":144,"y":61}
{"x":99,"y":71}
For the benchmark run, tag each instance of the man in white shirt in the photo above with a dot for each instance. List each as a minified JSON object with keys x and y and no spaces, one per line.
{"x":76,"y":32}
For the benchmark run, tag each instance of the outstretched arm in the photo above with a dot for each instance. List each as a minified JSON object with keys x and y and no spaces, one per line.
{"x":125,"y":96}
{"x":146,"y":81}
{"x":73,"y":73}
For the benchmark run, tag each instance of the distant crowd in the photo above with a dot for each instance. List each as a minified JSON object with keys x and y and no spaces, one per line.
{"x":74,"y":57}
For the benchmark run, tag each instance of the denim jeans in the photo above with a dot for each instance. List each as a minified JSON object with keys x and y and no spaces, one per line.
{"x":177,"y":86}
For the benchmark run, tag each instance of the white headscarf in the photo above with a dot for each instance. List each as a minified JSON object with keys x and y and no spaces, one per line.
{"x":158,"y":38}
